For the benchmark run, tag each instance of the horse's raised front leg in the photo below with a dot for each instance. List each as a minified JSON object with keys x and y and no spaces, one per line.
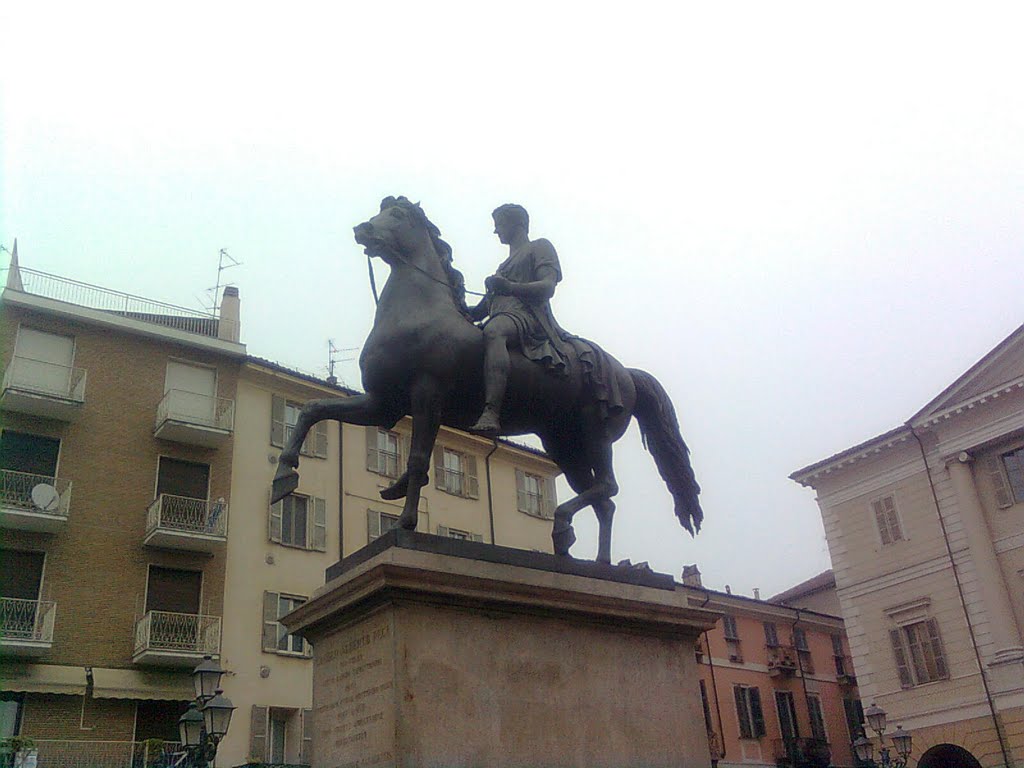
{"x":426,"y":420}
{"x":358,"y":409}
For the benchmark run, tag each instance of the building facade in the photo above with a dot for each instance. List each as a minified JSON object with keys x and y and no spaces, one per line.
{"x":776,"y":683}
{"x":925,"y":525}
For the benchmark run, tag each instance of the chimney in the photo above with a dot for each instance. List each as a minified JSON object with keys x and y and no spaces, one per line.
{"x":691,"y":576}
{"x":728,"y":589}
{"x":228,"y":326}
{"x":757,"y":593}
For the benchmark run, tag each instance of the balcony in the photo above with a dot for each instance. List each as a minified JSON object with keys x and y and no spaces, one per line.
{"x":43,"y":389}
{"x":844,"y":671}
{"x":38,"y":503}
{"x":802,"y":753}
{"x":194,"y":419}
{"x":782,"y":661}
{"x":26,"y":626}
{"x":179,"y":522}
{"x":175,"y":639}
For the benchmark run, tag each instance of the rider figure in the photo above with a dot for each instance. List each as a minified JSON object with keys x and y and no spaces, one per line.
{"x":517,"y":305}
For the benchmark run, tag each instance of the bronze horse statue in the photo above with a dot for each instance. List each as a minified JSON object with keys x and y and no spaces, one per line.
{"x":424,"y":358}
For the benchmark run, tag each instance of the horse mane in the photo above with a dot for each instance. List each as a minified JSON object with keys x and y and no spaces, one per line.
{"x":456,"y":281}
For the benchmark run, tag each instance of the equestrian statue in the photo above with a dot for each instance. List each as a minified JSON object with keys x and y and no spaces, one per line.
{"x":518,"y":373}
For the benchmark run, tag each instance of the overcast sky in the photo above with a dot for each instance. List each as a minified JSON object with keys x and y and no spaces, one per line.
{"x":805,"y":221}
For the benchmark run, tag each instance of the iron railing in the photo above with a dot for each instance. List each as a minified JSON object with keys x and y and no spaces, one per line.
{"x":43,"y":378}
{"x":196,"y":408}
{"x":802,"y":753}
{"x":181,"y":513}
{"x":177,"y":633}
{"x":122,"y":304}
{"x":27,"y":620}
{"x":16,"y":491}
{"x":56,"y":753}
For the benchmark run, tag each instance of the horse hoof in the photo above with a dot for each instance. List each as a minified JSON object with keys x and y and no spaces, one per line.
{"x":285,"y":481}
{"x":563,"y":540}
{"x":408,"y":522}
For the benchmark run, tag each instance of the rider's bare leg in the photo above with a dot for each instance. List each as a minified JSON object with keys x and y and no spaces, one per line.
{"x":499,"y":333}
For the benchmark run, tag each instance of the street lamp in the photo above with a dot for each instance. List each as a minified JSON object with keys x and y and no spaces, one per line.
{"x":901,"y":742}
{"x":206,"y":722}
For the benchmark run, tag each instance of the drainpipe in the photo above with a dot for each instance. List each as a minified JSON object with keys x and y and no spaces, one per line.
{"x":341,"y":490}
{"x":963,"y":602}
{"x":714,"y":684}
{"x":490,"y":499}
{"x":800,"y":666}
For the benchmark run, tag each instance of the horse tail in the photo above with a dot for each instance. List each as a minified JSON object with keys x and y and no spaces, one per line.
{"x":659,"y":429}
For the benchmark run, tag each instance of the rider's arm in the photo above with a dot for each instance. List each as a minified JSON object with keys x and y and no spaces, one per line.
{"x":541,"y":289}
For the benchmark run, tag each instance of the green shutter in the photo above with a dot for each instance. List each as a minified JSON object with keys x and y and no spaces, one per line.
{"x":306,"y":753}
{"x":906,"y":680}
{"x":442,"y":530}
{"x":995,"y":472}
{"x":372,"y":454}
{"x":319,"y":520}
{"x":521,"y":502}
{"x":275,"y":520}
{"x":476,"y":537}
{"x":756,"y":713}
{"x":372,"y":525}
{"x":320,"y":447}
{"x":881,"y":522}
{"x":439,"y":468}
{"x":550,"y":499}
{"x":277,"y":421}
{"x":936,"y":643}
{"x":258,"y":734}
{"x":270,"y":625}
{"x":742,"y":713}
{"x":472,"y":484}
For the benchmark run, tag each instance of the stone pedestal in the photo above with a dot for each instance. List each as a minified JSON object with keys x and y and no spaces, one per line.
{"x":436,"y":652}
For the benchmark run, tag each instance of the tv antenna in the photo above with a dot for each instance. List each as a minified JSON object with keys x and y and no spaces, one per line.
{"x":224,"y":261}
{"x":332,"y":359}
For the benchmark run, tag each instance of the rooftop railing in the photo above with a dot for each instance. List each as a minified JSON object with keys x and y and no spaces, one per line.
{"x":27,"y":620}
{"x":187,"y":515}
{"x":16,"y":491}
{"x":164,"y":631}
{"x":122,"y":304}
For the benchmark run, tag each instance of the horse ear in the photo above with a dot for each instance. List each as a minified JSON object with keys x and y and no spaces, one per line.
{"x":387,"y":202}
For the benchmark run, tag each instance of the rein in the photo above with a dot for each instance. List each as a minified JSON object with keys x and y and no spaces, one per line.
{"x":373,"y":281}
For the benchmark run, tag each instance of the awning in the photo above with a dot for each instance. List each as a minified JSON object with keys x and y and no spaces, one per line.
{"x":42,"y":678}
{"x":142,"y":684}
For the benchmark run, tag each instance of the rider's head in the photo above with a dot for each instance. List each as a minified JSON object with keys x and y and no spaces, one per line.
{"x":507,"y":218}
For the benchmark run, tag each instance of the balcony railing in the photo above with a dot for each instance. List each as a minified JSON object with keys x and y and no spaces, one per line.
{"x":802,"y":753}
{"x":194,"y":418}
{"x":161,"y":636}
{"x":185,"y":523}
{"x":42,"y":388}
{"x":101,"y":754}
{"x":782,"y":659}
{"x":27,"y":621}
{"x":33,"y":502}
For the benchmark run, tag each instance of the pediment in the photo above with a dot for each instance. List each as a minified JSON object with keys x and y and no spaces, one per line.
{"x":1000,"y":368}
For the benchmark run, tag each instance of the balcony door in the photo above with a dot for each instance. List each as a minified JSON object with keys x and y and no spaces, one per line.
{"x":21,"y":574}
{"x":173,"y":590}
{"x":195,"y":389}
{"x":786,"y":708}
{"x":31,"y":454}
{"x":44,"y":361}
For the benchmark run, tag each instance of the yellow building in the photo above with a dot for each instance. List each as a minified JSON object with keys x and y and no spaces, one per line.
{"x":277,"y":555}
{"x":925,"y":525}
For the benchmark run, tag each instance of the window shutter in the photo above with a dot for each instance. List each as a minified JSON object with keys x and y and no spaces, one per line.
{"x":277,"y":421}
{"x":549,"y":499}
{"x":756,"y":714}
{"x":476,"y":537}
{"x":372,"y":454}
{"x":319,"y":537}
{"x":936,"y":643}
{"x":771,"y":635}
{"x":275,"y":520}
{"x":900,"y":652}
{"x":439,"y":467}
{"x":270,"y":602}
{"x":880,"y":521}
{"x":320,"y":448}
{"x":306,"y":753}
{"x":742,"y":713}
{"x":442,"y":530}
{"x":521,"y":502}
{"x":258,"y":734}
{"x":472,"y":485}
{"x":404,"y":449}
{"x":993,"y":468}
{"x":372,"y":525}
{"x":892,"y":520}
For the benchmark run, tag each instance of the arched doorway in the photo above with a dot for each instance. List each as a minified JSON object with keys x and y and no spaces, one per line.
{"x":948,"y":756}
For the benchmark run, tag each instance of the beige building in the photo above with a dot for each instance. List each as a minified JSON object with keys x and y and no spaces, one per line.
{"x":925,"y":525}
{"x":480,"y":490}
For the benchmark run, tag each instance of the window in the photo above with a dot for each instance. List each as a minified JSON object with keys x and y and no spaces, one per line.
{"x":379,"y":523}
{"x":535,"y":495}
{"x":803,"y":650}
{"x":729,"y":627}
{"x":11,"y":705}
{"x":275,"y":635}
{"x":918,"y":651}
{"x":455,"y":473}
{"x":158,"y":719}
{"x":300,"y":521}
{"x":854,"y":717}
{"x":43,"y":363}
{"x":771,"y":635}
{"x":748,"y":712}
{"x":26,"y":460}
{"x":455,"y":533}
{"x":279,"y":735}
{"x":786,"y":709}
{"x":843,"y":667}
{"x":284,"y":415}
{"x":1006,"y":475}
{"x":887,"y":520}
{"x":382,"y":452}
{"x":817,"y":715}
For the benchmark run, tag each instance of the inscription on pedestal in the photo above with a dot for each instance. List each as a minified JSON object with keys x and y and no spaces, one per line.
{"x":354,"y":716}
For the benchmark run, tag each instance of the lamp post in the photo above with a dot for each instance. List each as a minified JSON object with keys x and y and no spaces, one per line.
{"x":206,"y":722}
{"x":901,"y":742}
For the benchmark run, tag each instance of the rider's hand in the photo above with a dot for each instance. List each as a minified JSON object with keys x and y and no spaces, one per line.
{"x":498,"y":285}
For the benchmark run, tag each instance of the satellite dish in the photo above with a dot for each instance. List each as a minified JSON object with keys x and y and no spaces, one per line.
{"x":45,"y":497}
